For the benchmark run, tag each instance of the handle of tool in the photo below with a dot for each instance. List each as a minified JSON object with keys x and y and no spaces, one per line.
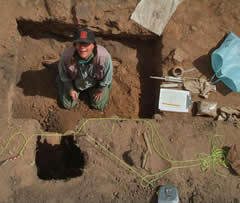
{"x":157,"y":78}
{"x":168,"y":79}
{"x":170,"y":85}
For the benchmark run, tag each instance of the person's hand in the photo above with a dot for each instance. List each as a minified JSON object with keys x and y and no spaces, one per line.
{"x":97,"y":95}
{"x":73,"y":94}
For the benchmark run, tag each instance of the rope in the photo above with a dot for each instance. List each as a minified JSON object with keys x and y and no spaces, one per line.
{"x":216,"y":157}
{"x":205,"y":161}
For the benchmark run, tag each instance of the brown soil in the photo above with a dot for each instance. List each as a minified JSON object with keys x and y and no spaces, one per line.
{"x":106,"y":179}
{"x":88,"y":168}
{"x":132,"y":94}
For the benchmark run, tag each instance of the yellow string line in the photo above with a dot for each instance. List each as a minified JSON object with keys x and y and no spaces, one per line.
{"x":207,"y":161}
{"x":148,"y":121}
{"x":211,"y":157}
{"x":162,"y":173}
{"x":9,"y":141}
{"x":26,"y":140}
{"x":162,"y":156}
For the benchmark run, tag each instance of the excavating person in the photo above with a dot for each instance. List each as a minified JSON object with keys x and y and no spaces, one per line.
{"x":85,"y":66}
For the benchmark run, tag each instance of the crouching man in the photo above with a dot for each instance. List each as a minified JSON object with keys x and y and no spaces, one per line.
{"x":85,"y":66}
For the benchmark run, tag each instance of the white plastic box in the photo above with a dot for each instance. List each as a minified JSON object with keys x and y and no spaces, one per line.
{"x":174,"y":100}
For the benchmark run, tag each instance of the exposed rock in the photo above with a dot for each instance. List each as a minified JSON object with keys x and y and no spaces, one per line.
{"x":229,"y":114}
{"x":237,"y":17}
{"x":193,"y":28}
{"x":59,"y":9}
{"x":221,"y":8}
{"x":84,"y":11}
{"x":116,"y":194}
{"x":179,"y":55}
{"x":157,"y":116}
{"x":116,"y":62}
{"x":48,"y":62}
{"x":133,"y":158}
{"x":234,"y":158}
{"x":62,"y":17}
{"x":69,"y":132}
{"x":238,"y":186}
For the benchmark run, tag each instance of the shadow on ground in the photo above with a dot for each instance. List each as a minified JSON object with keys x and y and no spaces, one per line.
{"x":40,"y":82}
{"x":149,"y":56}
{"x":59,"y":161}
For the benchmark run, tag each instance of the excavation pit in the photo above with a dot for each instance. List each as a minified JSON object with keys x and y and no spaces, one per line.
{"x":133,"y":93}
{"x":59,"y":161}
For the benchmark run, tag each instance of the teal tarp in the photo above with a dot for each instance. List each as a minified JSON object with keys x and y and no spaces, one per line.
{"x":226,"y":62}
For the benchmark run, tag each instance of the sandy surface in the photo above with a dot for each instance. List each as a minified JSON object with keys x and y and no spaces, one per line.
{"x":108,"y":154}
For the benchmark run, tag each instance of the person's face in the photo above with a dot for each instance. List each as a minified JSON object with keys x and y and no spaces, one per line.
{"x":84,"y":49}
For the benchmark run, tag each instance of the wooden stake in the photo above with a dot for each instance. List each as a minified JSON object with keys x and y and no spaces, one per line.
{"x":147,"y":143}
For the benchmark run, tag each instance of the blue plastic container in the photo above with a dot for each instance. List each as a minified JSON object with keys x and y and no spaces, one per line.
{"x":168,"y":194}
{"x":226,"y":62}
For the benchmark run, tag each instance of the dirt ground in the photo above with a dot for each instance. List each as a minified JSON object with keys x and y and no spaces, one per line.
{"x":102,"y":162}
{"x":108,"y":145}
{"x":133,"y":94}
{"x":37,"y":99}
